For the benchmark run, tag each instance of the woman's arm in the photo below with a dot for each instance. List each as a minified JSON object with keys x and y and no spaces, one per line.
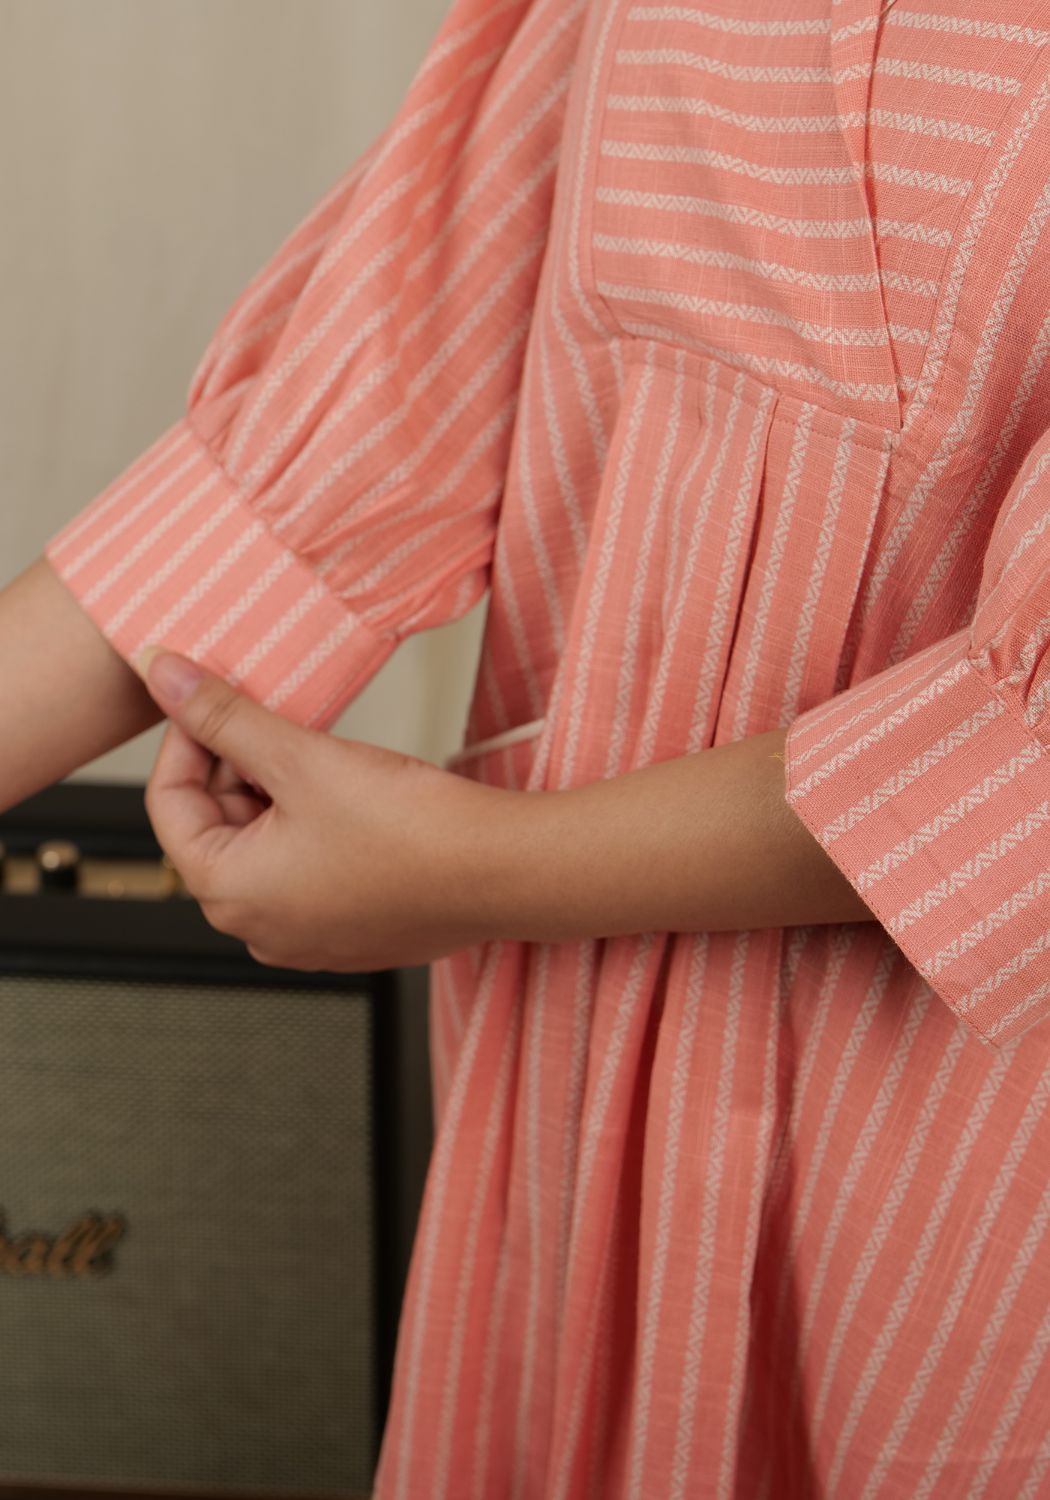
{"x":65,"y":695}
{"x":703,"y":842}
{"x":366,"y":858}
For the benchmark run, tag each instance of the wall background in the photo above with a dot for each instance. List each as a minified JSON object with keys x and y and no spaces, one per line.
{"x":152,"y":157}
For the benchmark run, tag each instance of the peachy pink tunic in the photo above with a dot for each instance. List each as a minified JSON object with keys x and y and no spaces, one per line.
{"x":712,"y":339}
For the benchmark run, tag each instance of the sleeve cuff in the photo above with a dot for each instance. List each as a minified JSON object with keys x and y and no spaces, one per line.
{"x":932,"y":796}
{"x":170,"y":553}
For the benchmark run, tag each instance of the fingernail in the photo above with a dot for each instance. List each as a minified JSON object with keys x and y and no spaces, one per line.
{"x":174,"y":676}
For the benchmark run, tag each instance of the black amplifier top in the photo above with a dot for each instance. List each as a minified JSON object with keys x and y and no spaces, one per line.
{"x":86,"y":888}
{"x":106,"y":819}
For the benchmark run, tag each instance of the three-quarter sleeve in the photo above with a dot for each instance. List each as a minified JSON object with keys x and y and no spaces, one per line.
{"x":334,"y":481}
{"x":928,"y":784}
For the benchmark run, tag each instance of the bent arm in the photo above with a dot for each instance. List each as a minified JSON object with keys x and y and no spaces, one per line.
{"x":66,"y":696}
{"x":704,"y":842}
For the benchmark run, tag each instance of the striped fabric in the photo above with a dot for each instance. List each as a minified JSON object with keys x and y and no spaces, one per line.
{"x":711,"y":341}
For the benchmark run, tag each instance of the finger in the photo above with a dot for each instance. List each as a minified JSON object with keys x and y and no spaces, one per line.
{"x":228,"y":776}
{"x":230,"y":779}
{"x":264,"y":745}
{"x":239,"y":802}
{"x":189,"y":822}
{"x":241,"y":808}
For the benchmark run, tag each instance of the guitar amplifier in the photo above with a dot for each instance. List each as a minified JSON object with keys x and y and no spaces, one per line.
{"x":210,"y":1173}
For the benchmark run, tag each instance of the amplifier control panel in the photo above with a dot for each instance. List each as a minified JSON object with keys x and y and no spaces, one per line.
{"x":61,"y":865}
{"x":85,"y":839}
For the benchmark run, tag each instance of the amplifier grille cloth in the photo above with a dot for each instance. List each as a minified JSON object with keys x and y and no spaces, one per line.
{"x":232,"y":1342}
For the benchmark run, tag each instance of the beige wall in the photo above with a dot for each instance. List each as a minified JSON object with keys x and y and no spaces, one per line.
{"x":153,"y":154}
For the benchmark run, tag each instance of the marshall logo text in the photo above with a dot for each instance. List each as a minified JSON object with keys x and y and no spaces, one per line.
{"x":83,"y":1249}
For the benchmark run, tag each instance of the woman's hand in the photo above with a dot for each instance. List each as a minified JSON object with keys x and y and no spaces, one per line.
{"x":318,"y":852}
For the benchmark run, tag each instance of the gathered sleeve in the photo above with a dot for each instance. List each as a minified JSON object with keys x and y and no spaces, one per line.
{"x":928,"y":784}
{"x":334,"y":482}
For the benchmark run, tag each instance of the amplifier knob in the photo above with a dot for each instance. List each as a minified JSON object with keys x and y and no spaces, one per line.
{"x":174,"y":885}
{"x":59,"y":864}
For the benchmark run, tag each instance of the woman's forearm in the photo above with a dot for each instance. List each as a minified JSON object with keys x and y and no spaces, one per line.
{"x":699,"y":842}
{"x":702,"y":842}
{"x":66,"y":696}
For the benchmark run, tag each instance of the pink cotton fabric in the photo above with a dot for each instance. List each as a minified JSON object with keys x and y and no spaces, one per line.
{"x":712,"y":341}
